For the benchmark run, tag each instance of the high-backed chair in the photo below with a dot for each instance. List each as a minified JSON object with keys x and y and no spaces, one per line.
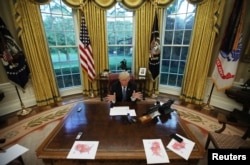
{"x":115,"y":77}
{"x":225,"y":141}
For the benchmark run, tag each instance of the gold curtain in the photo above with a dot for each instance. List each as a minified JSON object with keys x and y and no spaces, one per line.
{"x":208,"y":20}
{"x":30,"y":31}
{"x":144,"y":23}
{"x":96,"y":23}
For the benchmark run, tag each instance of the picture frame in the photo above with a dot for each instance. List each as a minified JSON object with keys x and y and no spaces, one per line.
{"x":142,"y":71}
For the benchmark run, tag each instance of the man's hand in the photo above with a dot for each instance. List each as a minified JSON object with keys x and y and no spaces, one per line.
{"x":111,"y":97}
{"x":137,"y":95}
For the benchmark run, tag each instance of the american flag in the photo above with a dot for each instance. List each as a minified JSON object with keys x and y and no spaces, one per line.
{"x":85,"y":49}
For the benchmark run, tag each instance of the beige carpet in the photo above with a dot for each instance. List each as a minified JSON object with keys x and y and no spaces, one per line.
{"x":18,"y":130}
{"x":39,"y":127}
{"x":204,"y":121}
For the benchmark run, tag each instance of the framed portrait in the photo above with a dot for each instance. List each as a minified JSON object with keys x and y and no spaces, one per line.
{"x":142,"y":71}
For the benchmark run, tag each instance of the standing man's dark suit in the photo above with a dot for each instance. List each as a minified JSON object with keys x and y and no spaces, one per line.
{"x":117,"y":88}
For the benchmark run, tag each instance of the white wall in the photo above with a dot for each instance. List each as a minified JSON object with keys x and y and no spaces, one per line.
{"x":218,"y":99}
{"x":11,"y":102}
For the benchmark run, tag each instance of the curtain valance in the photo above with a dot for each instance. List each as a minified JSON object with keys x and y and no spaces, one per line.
{"x":106,"y":4}
{"x":130,"y":4}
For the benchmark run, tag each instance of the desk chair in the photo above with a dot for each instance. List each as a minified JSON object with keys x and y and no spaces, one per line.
{"x":224,"y":141}
{"x":115,"y":77}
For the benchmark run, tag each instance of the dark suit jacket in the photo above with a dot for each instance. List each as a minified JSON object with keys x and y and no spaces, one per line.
{"x":117,"y":88}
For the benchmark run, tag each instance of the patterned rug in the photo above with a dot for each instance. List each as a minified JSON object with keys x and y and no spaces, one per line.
{"x":204,"y":121}
{"x":18,"y":130}
{"x":192,"y":118}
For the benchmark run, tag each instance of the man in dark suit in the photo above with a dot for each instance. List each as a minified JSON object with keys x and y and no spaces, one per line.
{"x":123,"y":89}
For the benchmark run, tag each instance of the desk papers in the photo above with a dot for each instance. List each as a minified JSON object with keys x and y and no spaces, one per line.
{"x":12,"y":153}
{"x":83,"y":150}
{"x":121,"y":110}
{"x":183,"y":149}
{"x":155,"y":151}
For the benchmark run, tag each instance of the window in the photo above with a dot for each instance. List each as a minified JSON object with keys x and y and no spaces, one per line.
{"x":120,"y":38}
{"x":61,"y":37}
{"x":179,"y":20}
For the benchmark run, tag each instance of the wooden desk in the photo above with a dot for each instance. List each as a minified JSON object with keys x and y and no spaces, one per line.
{"x":104,"y":85}
{"x":119,"y":142}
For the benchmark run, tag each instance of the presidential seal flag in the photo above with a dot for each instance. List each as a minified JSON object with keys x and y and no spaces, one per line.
{"x":154,"y":55}
{"x":85,"y":49}
{"x":13,"y":58}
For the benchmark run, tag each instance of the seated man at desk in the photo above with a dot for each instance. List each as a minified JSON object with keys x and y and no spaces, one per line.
{"x":123,"y":89}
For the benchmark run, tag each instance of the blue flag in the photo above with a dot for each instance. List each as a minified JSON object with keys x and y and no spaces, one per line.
{"x":13,"y":58}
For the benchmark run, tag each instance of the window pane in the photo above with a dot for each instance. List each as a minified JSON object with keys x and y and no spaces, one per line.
{"x":168,"y":37}
{"x":190,"y":21}
{"x":176,"y":53}
{"x":184,"y":52}
{"x":120,"y":38}
{"x":166,"y":52}
{"x":61,"y":37}
{"x":180,"y":21}
{"x":171,"y":21}
{"x":165,"y":66}
{"x":177,"y":35}
{"x":164,"y":78}
{"x":172,"y":80}
{"x":187,"y":37}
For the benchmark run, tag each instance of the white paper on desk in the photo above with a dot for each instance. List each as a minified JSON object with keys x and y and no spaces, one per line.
{"x":132,"y":112}
{"x":155,"y":151}
{"x":119,"y":110}
{"x":183,"y":149}
{"x":12,"y":153}
{"x":83,"y":150}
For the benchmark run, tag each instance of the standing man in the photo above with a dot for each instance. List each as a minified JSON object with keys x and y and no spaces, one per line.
{"x":123,"y":89}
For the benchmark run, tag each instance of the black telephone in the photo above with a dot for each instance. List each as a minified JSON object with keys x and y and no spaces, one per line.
{"x":166,"y":107}
{"x":162,"y":109}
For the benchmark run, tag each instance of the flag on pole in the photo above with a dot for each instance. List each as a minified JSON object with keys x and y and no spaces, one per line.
{"x":227,"y":62}
{"x":13,"y":58}
{"x":155,"y":51}
{"x":85,"y":49}
{"x":226,"y":67}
